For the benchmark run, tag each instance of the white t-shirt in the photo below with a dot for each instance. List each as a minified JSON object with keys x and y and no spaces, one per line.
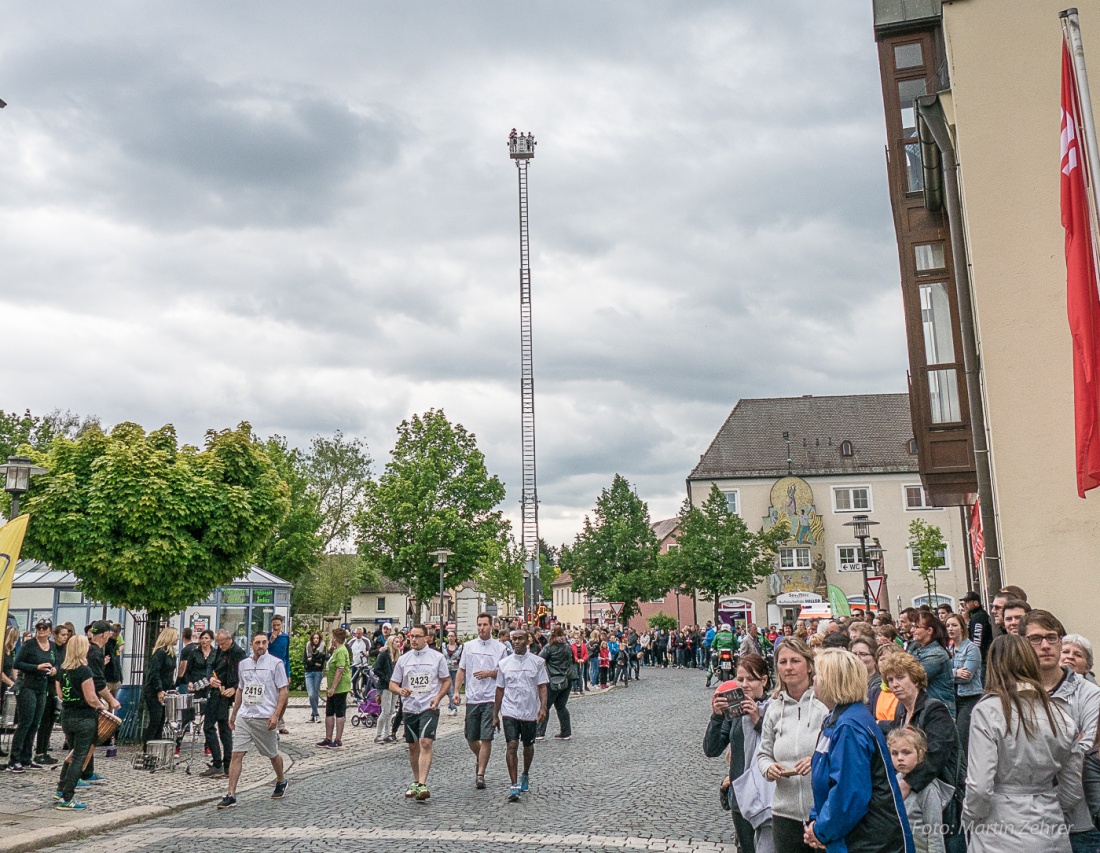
{"x":260,"y":682}
{"x":478,"y":655}
{"x":520,"y":676}
{"x":359,"y":649}
{"x":423,"y":673}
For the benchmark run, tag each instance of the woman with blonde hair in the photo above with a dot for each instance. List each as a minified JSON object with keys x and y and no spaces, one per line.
{"x":160,"y":677}
{"x":857,"y":803}
{"x":7,"y":673}
{"x":1023,"y":773}
{"x":787,"y":741}
{"x":79,"y":709}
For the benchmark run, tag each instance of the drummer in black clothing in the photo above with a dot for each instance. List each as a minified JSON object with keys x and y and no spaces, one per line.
{"x":99,"y":633}
{"x":223,"y":688}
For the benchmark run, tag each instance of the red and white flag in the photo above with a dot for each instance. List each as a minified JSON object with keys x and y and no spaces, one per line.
{"x":1081,"y":285}
{"x":977,"y":537}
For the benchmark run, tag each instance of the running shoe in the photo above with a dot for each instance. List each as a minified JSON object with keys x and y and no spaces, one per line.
{"x":513,"y":794}
{"x":212,"y":772}
{"x":336,"y":744}
{"x":95,"y":777}
{"x":412,"y":790}
{"x":324,"y":744}
{"x":562,"y":737}
{"x":227,"y":802}
{"x":422,"y":792}
{"x":479,"y":782}
{"x":34,"y":765}
{"x":80,"y":783}
{"x":280,"y":790}
{"x":540,"y":737}
{"x":69,"y":806}
{"x":524,"y":783}
{"x":45,"y":760}
{"x":58,"y":796}
{"x":15,"y":768}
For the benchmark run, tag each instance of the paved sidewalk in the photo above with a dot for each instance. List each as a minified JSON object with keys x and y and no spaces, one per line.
{"x":28,"y":819}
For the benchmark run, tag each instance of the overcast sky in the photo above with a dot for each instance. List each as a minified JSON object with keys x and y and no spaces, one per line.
{"x":304,"y":216}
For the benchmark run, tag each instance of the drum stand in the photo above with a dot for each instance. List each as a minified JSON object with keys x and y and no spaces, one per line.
{"x":197,"y":723}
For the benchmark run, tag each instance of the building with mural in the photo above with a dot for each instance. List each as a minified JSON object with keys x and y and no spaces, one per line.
{"x":814,"y":464}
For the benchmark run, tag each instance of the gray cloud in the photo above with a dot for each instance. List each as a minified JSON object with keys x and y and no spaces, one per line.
{"x":218,"y":213}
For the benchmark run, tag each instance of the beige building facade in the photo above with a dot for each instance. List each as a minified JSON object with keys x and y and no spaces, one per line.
{"x":849,"y":456}
{"x":999,"y":90}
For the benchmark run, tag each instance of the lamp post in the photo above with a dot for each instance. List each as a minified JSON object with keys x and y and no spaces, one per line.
{"x":17,"y":475}
{"x":441,"y":555}
{"x":876,"y":554}
{"x":861,"y":529}
{"x":347,"y":601}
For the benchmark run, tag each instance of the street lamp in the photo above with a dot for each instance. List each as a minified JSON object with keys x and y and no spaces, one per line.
{"x":861,"y":529}
{"x":441,"y":555}
{"x":17,"y":475}
{"x":877,"y":555}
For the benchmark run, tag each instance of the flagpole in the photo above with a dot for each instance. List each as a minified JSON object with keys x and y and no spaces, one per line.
{"x":1071,"y":31}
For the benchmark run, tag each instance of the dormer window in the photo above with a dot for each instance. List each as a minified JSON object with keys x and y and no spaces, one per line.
{"x":846,"y":448}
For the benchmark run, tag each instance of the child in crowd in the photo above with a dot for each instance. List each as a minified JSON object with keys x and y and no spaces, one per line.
{"x":908,"y":746}
{"x":605,"y":664}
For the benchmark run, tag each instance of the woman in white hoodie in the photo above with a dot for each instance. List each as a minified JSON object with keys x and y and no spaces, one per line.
{"x":791,"y":726}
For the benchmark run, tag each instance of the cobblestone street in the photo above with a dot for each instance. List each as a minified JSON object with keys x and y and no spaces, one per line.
{"x":633,"y":777}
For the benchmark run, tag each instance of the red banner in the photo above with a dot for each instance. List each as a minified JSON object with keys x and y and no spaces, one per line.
{"x":1083,"y":303}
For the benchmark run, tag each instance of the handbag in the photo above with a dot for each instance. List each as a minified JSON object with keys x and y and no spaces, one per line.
{"x":754,"y":794}
{"x":574,"y":672}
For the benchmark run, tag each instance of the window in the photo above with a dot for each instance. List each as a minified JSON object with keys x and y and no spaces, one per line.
{"x":943,"y":396}
{"x":908,"y":56}
{"x":846,"y":448}
{"x":794,"y":558}
{"x":912,"y":447}
{"x":381,"y":604}
{"x":733,"y":500}
{"x":933,"y":600}
{"x":851,"y":498}
{"x":908,"y":92}
{"x":945,"y":555}
{"x":929,"y":256}
{"x":915,"y":497}
{"x":935,"y":315}
{"x":847,"y":558}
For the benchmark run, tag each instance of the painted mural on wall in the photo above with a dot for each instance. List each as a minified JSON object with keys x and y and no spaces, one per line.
{"x":800,"y":565}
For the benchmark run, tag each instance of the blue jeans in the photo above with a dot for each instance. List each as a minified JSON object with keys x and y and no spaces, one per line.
{"x":593,"y":670}
{"x":313,"y":690}
{"x":1085,"y":842}
{"x":451,"y":691}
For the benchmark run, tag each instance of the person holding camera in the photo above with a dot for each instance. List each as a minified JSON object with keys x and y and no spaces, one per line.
{"x":737,"y":714}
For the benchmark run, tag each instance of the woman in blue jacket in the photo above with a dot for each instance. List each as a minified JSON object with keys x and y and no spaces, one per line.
{"x":858,"y":807}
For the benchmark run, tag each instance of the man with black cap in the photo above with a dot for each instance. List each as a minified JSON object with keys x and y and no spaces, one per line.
{"x":978,"y":627}
{"x":99,"y":633}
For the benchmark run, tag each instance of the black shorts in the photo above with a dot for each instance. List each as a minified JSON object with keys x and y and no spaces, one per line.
{"x":336,"y":705}
{"x":479,"y":721}
{"x":420,"y":726}
{"x":523,"y":730}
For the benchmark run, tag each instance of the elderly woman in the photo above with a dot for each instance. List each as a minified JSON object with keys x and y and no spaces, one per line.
{"x":1024,"y":776}
{"x":787,"y":742}
{"x":857,"y":802}
{"x":908,"y":681}
{"x":1077,"y":655}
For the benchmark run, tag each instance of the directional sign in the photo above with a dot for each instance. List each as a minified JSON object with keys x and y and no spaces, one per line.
{"x":874,"y":585}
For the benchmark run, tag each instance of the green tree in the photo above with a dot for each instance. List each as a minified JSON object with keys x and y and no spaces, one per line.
{"x":339,"y":470}
{"x":501,"y":578}
{"x":148,"y":525}
{"x":435,"y":493}
{"x":326,"y":589}
{"x":20,"y":434}
{"x":294,"y":548}
{"x":929,"y":551}
{"x":549,"y":568}
{"x":614,"y":557}
{"x":717,"y":552}
{"x":663,"y":621}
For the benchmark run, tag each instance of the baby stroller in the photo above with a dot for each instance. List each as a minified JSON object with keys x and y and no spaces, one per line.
{"x":369,"y":709}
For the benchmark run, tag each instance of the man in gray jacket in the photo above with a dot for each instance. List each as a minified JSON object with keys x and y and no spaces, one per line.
{"x":1077,"y":697}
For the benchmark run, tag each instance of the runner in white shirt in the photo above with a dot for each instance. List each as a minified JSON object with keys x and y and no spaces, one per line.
{"x":421,"y":678}
{"x":521,"y":701}
{"x":479,"y":664}
{"x":360,"y":660}
{"x":257,"y":709}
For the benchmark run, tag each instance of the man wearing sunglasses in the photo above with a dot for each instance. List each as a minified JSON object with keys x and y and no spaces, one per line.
{"x":1077,"y":697}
